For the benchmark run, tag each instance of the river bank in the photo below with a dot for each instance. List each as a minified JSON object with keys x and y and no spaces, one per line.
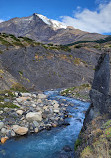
{"x":26,"y":113}
{"x":58,"y":141}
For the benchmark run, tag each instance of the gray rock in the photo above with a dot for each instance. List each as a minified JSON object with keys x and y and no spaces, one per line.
{"x":1,"y":112}
{"x":36,"y":124}
{"x":19,"y":99}
{"x":34,"y":95}
{"x":36,"y":130}
{"x":67,"y":148}
{"x":1,"y":125}
{"x":3,"y":130}
{"x":13,"y":133}
{"x":7,"y":100}
{"x":19,"y":112}
{"x":56,"y":110}
{"x":34,"y":116}
{"x":33,"y":105}
{"x":42,"y":96}
{"x":26,"y":94}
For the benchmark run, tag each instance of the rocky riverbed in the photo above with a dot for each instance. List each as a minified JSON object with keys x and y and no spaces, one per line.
{"x":29,"y":113}
{"x":55,"y":143}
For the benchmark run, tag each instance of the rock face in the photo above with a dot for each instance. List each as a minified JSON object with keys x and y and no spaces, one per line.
{"x":100,"y":86}
{"x":100,"y":89}
{"x":97,"y":124}
{"x":102,"y":75}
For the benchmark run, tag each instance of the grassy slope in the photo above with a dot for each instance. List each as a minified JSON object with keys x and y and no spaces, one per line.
{"x":95,"y":141}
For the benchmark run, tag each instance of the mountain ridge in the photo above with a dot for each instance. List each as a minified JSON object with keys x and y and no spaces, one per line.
{"x":35,"y":28}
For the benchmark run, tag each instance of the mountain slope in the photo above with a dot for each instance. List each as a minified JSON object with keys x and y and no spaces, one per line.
{"x":39,"y":67}
{"x":42,"y":29}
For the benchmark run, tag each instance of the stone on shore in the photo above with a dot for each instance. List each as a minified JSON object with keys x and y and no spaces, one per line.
{"x":20,"y":130}
{"x":1,"y":125}
{"x":36,"y":130}
{"x":56,"y":110}
{"x":42,"y":96}
{"x":3,"y":130}
{"x":3,"y":139}
{"x":34,"y":116}
{"x":19,"y":112}
{"x":22,"y":99}
{"x":26,"y":94}
{"x":56,"y":106}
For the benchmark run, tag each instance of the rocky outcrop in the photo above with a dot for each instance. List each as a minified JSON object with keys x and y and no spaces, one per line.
{"x":102,"y":75}
{"x":100,"y":89}
{"x":95,"y":137}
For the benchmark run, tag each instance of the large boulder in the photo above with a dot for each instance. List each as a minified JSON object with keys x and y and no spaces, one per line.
{"x":102,"y":75}
{"x":34,"y":116}
{"x":20,"y":130}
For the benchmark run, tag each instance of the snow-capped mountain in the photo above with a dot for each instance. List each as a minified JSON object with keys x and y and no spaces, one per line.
{"x":53,"y":23}
{"x":42,"y":29}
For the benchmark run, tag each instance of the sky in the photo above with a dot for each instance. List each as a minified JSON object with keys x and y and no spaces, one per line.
{"x":86,"y":15}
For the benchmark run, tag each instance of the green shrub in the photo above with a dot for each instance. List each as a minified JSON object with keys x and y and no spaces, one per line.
{"x":78,"y":46}
{"x":97,"y":46}
{"x":9,"y":92}
{"x":21,"y":73}
{"x":65,"y":48}
{"x":14,"y":38}
{"x":1,"y":98}
{"x":108,"y":132}
{"x":5,"y":35}
{"x":27,"y":39}
{"x":107,"y":124}
{"x":18,"y":87}
{"x":87,"y":152}
{"x":77,"y":143}
{"x":18,"y":44}
{"x":4,"y":42}
{"x":1,"y":51}
{"x":77,"y":61}
{"x":8,"y":105}
{"x":50,"y":44}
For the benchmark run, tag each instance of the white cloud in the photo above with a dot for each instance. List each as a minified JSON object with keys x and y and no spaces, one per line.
{"x":92,"y":21}
{"x":1,"y":20}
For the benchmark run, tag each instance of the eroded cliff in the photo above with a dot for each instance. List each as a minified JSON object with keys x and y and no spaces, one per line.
{"x":95,"y":137}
